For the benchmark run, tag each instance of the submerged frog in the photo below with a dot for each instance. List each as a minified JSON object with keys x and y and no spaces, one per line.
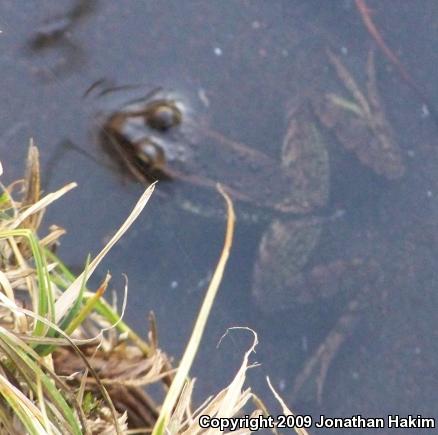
{"x":157,"y":136}
{"x":154,"y":137}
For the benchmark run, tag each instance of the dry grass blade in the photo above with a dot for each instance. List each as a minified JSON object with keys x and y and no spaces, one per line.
{"x":67,"y":299}
{"x":350,"y":84}
{"x":182,"y":409}
{"x":226,"y":404}
{"x":285,"y":409}
{"x":195,"y":339}
{"x":32,"y":187}
{"x":41,"y":205}
{"x":227,"y":408}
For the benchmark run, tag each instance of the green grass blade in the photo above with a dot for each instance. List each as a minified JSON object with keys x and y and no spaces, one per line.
{"x":45,"y":303}
{"x":18,"y":352}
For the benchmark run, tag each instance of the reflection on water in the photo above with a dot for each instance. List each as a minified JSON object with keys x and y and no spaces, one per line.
{"x":60,"y":27}
{"x":370,"y":347}
{"x":53,"y":43}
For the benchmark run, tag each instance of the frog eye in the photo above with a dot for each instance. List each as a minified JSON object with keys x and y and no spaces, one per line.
{"x":150,"y":153}
{"x":164,"y":116}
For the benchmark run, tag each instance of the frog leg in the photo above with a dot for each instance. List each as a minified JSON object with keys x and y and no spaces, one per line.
{"x":378,"y":123}
{"x":281,"y":277}
{"x":304,"y":158}
{"x":314,"y":372}
{"x":361,"y":124}
{"x":281,"y":281}
{"x":278,"y":282}
{"x":311,"y":379}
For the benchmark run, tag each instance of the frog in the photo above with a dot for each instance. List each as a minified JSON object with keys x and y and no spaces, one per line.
{"x":158,"y":137}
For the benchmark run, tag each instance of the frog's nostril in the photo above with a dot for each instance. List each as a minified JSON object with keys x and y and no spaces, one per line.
{"x":164,"y":117}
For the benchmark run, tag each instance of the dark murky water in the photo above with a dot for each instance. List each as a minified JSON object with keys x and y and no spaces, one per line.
{"x":237,"y":64}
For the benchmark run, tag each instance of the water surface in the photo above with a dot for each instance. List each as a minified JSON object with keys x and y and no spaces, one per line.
{"x":237,"y":64}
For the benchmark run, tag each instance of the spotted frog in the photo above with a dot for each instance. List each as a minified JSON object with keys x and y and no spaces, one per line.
{"x":157,"y":137}
{"x":152,"y":141}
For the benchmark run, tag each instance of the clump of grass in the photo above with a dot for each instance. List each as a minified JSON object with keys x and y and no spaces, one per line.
{"x":68,"y":362}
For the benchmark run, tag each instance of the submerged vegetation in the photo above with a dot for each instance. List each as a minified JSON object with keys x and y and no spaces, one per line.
{"x":68,"y":362}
